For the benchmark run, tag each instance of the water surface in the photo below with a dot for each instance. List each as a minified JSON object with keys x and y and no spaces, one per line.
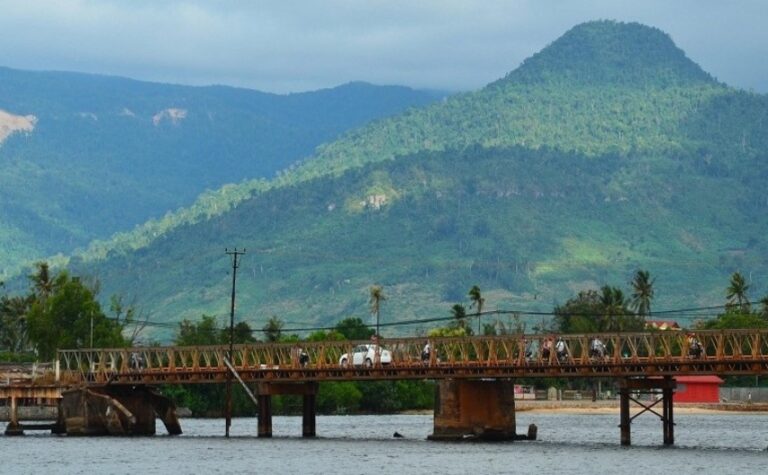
{"x":722,"y":444}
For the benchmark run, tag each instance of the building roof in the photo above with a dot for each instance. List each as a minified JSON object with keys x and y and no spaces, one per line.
{"x":709,"y":379}
{"x":662,"y":324}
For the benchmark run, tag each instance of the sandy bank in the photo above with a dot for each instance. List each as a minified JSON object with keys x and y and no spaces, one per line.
{"x":612,"y":407}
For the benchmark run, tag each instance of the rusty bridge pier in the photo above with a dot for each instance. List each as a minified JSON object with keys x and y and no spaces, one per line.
{"x":307,"y":390}
{"x":476,"y":409}
{"x":663,"y":389}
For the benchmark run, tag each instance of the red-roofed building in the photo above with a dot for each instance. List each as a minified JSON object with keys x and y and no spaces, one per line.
{"x":697,"y":389}
{"x":662,"y":325}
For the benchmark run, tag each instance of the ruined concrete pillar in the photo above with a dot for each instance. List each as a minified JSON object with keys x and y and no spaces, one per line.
{"x":483,"y":409}
{"x":115,"y":410}
{"x":13,"y":427}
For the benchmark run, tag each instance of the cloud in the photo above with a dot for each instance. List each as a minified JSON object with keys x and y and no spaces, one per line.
{"x":296,"y":45}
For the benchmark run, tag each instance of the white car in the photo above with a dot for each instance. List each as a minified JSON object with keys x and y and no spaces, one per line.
{"x":366,"y":355}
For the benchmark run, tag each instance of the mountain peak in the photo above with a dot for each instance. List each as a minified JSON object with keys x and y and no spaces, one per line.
{"x":611,"y":52}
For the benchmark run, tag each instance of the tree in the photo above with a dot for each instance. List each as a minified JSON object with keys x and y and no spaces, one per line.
{"x":42,"y":282}
{"x":614,"y":307}
{"x":243,"y":333}
{"x":354,"y":329}
{"x":65,"y":317}
{"x":128,"y":315}
{"x":642,"y":293}
{"x":459,"y":314}
{"x":377,"y":297}
{"x":322,"y":335}
{"x":13,"y":323}
{"x":764,"y":307}
{"x":737,"y":291}
{"x":734,"y":318}
{"x":477,"y":301}
{"x":591,"y":311}
{"x":273,"y":329}
{"x":204,"y":332}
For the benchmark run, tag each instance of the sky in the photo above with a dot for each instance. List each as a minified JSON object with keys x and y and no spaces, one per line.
{"x":298,"y":45}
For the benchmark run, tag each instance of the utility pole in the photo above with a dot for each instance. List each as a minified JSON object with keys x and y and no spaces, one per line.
{"x":235,"y":254}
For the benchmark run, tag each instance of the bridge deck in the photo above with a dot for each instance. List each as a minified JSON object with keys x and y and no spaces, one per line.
{"x":732,"y":352}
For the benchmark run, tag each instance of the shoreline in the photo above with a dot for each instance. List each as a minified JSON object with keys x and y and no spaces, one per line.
{"x":612,"y":407}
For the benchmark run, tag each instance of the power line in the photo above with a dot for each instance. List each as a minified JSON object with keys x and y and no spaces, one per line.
{"x":681,"y":312}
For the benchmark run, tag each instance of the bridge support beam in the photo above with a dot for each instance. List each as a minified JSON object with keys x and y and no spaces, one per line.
{"x":308,"y":391}
{"x":482,"y":410}
{"x":13,"y":427}
{"x":116,"y":410}
{"x":265,"y":415}
{"x":663,"y":387}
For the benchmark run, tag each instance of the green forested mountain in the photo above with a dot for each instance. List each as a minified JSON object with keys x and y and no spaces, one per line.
{"x":606,"y":152}
{"x":84,"y":156}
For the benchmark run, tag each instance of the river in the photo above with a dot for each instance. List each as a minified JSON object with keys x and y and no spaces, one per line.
{"x":568,"y":443}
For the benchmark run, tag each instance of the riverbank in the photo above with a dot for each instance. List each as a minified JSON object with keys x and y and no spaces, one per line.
{"x":612,"y":406}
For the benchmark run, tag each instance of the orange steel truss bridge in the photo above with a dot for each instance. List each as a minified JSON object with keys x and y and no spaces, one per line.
{"x":627,"y":355}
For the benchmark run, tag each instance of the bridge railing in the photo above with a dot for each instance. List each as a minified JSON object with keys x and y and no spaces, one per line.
{"x":522,"y":352}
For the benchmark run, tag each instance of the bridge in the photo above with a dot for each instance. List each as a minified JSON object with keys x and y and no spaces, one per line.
{"x":470,"y":371}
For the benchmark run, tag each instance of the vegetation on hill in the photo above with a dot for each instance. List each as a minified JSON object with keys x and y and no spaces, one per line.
{"x":607,"y":152}
{"x":529,"y":226}
{"x":106,"y":154}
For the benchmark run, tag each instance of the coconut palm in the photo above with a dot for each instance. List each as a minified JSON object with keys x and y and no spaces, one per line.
{"x":642,"y":286}
{"x":13,"y":323}
{"x":477,"y":301}
{"x":614,"y":307}
{"x":459,"y":314}
{"x":377,"y":296}
{"x":737,"y":291}
{"x":42,"y":280}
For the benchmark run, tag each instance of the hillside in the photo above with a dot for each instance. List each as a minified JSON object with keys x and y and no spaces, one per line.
{"x":606,"y":152}
{"x":85,"y":156}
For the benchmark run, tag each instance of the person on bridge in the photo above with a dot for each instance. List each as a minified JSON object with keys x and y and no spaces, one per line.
{"x":137,"y":361}
{"x":530,"y":347}
{"x":425,"y":353}
{"x":546,"y":349}
{"x":695,"y":350}
{"x":561,"y":349}
{"x":597,"y":348}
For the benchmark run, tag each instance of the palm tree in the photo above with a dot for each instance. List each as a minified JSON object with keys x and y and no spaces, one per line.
{"x":477,"y":301}
{"x":377,"y":296}
{"x":737,"y":291}
{"x":642,"y":294}
{"x":459,"y":314}
{"x":41,"y":280}
{"x":614,"y":307}
{"x":13,"y":323}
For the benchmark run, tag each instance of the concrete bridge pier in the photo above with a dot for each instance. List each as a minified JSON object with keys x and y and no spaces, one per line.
{"x":116,"y":410}
{"x":476,"y":409}
{"x":13,"y":427}
{"x":307,"y":390}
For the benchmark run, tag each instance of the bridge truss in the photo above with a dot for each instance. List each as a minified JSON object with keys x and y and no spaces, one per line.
{"x":731,"y":352}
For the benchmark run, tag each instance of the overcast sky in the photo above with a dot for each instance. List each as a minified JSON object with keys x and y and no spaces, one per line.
{"x":284,"y":46}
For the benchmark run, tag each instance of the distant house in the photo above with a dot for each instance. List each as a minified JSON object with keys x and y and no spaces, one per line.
{"x":704,"y":389}
{"x":662,"y":325}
